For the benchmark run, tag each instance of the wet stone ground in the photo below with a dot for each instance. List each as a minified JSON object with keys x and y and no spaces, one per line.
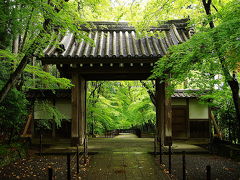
{"x":122,"y":158}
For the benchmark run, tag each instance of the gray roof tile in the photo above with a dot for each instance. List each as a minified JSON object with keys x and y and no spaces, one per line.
{"x":118,"y":40}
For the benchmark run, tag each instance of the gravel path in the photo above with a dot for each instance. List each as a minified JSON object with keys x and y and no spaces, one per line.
{"x":221,"y":168}
{"x":36,"y":167}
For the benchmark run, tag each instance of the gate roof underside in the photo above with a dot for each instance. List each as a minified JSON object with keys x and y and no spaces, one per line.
{"x":117,"y":53}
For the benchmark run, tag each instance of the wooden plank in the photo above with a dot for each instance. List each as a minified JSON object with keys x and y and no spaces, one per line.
{"x":199,"y":129}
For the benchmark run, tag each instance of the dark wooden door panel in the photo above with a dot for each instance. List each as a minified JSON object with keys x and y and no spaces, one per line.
{"x":179,"y":122}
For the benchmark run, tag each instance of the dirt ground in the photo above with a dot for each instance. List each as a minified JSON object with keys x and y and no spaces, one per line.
{"x":36,"y":167}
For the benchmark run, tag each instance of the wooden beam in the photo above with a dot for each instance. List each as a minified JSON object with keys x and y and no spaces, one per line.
{"x":116,"y":76}
{"x":124,"y":60}
{"x":126,"y":68}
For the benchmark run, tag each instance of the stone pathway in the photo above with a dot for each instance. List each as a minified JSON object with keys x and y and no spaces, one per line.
{"x":123,"y":157}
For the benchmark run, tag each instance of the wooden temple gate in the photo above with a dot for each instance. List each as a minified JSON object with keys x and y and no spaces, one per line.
{"x":117,"y":54}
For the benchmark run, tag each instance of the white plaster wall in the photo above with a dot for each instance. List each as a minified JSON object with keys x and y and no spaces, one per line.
{"x":39,"y":112}
{"x":65,"y":107}
{"x":197,"y":110}
{"x":179,"y":101}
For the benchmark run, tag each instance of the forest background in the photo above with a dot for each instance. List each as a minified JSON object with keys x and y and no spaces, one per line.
{"x":208,"y":61}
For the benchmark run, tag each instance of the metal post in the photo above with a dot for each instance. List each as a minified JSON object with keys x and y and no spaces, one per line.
{"x":208,"y":172}
{"x":170,"y":159}
{"x":160,"y":150}
{"x":154,"y":145}
{"x":50,"y":173}
{"x":87,"y":146}
{"x":77,"y":159}
{"x":68,"y":167}
{"x":85,"y":158}
{"x":41,"y":148}
{"x":184,"y":164}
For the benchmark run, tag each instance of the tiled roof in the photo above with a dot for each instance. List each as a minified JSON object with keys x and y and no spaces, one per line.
{"x":185,"y":94}
{"x":119,"y":40}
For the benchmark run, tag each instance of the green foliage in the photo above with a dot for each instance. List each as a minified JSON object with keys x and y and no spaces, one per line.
{"x":226,"y":116}
{"x":52,"y":114}
{"x":37,"y":22}
{"x":13,"y":111}
{"x":118,"y":105}
{"x":197,"y":60}
{"x":45,"y":79}
{"x":209,"y":53}
{"x":222,"y":103}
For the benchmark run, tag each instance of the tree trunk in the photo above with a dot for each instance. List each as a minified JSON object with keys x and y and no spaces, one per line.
{"x":17,"y":73}
{"x":150,"y":93}
{"x":234,"y":85}
{"x":13,"y":78}
{"x":231,"y":80}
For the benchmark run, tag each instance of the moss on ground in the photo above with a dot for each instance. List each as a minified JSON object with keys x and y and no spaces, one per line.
{"x":11,"y":152}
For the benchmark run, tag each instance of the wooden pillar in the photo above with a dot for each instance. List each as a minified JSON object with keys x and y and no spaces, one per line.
{"x":75,"y":104}
{"x":160,"y":94}
{"x":78,"y":109}
{"x":33,"y":118}
{"x":163,"y":113}
{"x":168,"y":118}
{"x":85,"y":114}
{"x":82,"y":110}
